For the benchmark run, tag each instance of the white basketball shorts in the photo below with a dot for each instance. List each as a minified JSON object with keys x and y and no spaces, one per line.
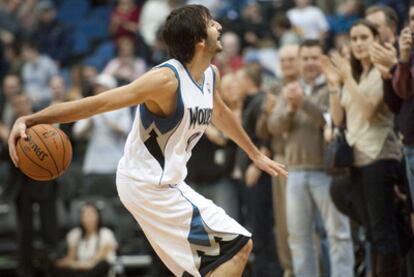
{"x":190,"y":234}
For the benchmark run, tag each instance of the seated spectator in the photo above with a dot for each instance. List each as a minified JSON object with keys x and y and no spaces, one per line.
{"x":13,"y":58}
{"x":153,"y":16}
{"x":12,"y":86}
{"x":283,"y":30}
{"x":229,"y":60}
{"x":37,"y":70}
{"x":124,"y":19}
{"x":126,"y":67}
{"x":91,"y":247}
{"x":255,"y":29}
{"x":108,"y":133}
{"x":10,"y":27}
{"x":51,"y":36}
{"x":309,"y":19}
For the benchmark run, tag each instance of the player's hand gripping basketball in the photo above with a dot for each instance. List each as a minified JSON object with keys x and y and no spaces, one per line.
{"x":271,"y":167}
{"x":18,"y":131}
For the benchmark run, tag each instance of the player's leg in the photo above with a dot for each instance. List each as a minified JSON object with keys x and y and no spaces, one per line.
{"x":235,"y":266}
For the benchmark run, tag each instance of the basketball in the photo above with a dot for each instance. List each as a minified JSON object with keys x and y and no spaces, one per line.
{"x":45,"y":154}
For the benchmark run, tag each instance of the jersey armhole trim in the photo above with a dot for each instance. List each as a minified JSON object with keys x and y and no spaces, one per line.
{"x":164,"y":124}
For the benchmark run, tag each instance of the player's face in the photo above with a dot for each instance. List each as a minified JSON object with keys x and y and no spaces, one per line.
{"x":213,"y":43}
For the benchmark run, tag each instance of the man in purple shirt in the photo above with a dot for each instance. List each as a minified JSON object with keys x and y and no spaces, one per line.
{"x":403,"y":83}
{"x":398,"y":85}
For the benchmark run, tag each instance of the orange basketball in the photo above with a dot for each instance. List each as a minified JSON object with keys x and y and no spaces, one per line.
{"x":45,"y":154}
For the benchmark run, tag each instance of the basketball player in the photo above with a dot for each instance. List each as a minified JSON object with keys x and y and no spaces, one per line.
{"x":191,"y":235}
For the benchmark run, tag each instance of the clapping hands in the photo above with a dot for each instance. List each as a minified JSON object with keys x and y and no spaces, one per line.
{"x":293,"y":93}
{"x":406,"y":44}
{"x":383,"y":57}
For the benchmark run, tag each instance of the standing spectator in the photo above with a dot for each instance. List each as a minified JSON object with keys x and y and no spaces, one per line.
{"x":37,"y":70}
{"x":57,"y":89}
{"x":385,"y":20}
{"x":153,"y":15}
{"x":13,"y":58}
{"x":88,"y":75}
{"x":26,"y":15}
{"x":404,"y":88}
{"x":289,"y":63}
{"x":27,"y":192}
{"x":257,"y":191}
{"x":106,"y":143}
{"x":51,"y":37}
{"x":283,"y":30}
{"x":377,"y":153}
{"x":255,"y":29}
{"x":126,"y":67}
{"x":300,"y":114}
{"x":91,"y":247}
{"x":403,"y":83}
{"x":310,"y":20}
{"x":124,"y":19}
{"x":10,"y":26}
{"x":211,"y":167}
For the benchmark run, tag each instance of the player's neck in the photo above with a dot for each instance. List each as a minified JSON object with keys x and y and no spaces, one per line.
{"x":197,"y":66}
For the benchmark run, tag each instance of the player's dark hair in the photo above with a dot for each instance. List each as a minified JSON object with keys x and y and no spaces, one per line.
{"x":356,"y":64}
{"x":99,"y":221}
{"x":183,"y":28}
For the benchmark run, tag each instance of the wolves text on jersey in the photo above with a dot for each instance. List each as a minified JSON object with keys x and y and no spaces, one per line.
{"x":200,"y":116}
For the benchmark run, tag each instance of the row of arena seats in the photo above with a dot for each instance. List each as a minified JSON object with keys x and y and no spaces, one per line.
{"x":133,"y":251}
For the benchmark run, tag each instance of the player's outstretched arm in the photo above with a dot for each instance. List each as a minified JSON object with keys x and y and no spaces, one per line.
{"x":226,"y":122}
{"x":153,"y":86}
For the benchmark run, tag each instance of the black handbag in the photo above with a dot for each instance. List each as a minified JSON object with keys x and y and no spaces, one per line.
{"x":338,"y":154}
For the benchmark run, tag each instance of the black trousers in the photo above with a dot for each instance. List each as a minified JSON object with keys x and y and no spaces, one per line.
{"x":44,"y":194}
{"x":367,"y":196}
{"x":259,"y":219}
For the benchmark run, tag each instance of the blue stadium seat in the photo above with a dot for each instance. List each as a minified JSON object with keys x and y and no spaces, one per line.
{"x":71,"y":11}
{"x":102,"y":12}
{"x":94,"y":28}
{"x":81,"y":43}
{"x":102,"y":55}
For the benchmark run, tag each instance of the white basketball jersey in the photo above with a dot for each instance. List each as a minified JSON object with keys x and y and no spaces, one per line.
{"x":157,"y":149}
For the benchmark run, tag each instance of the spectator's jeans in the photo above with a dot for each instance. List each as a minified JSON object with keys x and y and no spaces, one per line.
{"x":409,"y":162}
{"x":306,"y":191}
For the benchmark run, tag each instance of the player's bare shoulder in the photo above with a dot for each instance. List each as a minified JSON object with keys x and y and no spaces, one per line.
{"x":159,"y":83}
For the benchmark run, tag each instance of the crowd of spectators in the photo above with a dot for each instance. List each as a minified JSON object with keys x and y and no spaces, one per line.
{"x":294,"y":73}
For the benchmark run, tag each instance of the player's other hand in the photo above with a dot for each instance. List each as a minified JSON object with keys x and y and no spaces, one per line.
{"x":271,"y":167}
{"x":18,"y":131}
